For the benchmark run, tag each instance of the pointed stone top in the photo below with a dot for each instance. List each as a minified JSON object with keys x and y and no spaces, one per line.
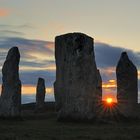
{"x":41,"y":79}
{"x":125,"y":62}
{"x":124,"y":58}
{"x":13,"y":52}
{"x":124,"y":55}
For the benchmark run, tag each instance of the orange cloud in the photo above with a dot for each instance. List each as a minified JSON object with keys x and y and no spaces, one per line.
{"x":30,"y":89}
{"x":109,"y":84}
{"x":50,"y":45}
{"x":50,"y":67}
{"x":4,"y":12}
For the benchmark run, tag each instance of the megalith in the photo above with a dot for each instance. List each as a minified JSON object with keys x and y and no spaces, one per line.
{"x":77,"y":87}
{"x":40,"y":93}
{"x":127,"y":86}
{"x":10,"y":101}
{"x":99,"y":87}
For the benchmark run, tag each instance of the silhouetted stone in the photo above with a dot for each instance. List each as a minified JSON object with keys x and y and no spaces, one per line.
{"x":10,"y":101}
{"x":98,"y":104}
{"x":40,"y":93}
{"x":99,"y":86}
{"x":77,"y":84}
{"x":127,"y":86}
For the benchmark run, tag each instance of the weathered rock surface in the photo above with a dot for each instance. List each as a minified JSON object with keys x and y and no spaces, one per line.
{"x":78,"y":82}
{"x":40,"y":93}
{"x":10,"y":101}
{"x":127,"y":86}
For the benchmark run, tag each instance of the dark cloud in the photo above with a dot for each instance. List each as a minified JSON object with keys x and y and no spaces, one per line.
{"x":31,"y":77}
{"x":108,"y":56}
{"x":7,"y":30}
{"x":43,"y":51}
{"x":11,"y":32}
{"x":26,"y":44}
{"x":43,"y":64}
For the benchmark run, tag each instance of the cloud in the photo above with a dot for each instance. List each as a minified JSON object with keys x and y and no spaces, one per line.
{"x":4,"y":12}
{"x":34,"y":53}
{"x":23,"y":26}
{"x":10,"y":32}
{"x":110,"y":84}
{"x":108,"y":55}
{"x":31,"y":77}
{"x":31,"y":89}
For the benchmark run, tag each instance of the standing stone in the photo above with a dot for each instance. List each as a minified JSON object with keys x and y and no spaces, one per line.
{"x":10,"y":102}
{"x":40,"y":93}
{"x":127,"y":86}
{"x":77,"y":78}
{"x":99,"y":86}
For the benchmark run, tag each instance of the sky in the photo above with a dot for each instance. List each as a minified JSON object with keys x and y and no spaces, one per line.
{"x":33,"y":24}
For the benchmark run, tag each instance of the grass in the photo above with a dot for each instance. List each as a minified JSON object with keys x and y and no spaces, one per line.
{"x":50,"y":129}
{"x":44,"y":126}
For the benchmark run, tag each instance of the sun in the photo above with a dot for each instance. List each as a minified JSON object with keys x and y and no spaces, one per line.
{"x":109,"y":100}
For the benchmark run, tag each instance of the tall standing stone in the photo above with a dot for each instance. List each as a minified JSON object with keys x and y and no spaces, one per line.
{"x":40,"y":93}
{"x":77,"y":78}
{"x":10,"y":101}
{"x":127,"y":86}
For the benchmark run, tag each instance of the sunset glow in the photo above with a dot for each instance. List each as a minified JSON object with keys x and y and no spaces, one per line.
{"x":30,"y":68}
{"x":109,"y":84}
{"x":31,"y":89}
{"x":3,"y":12}
{"x":109,"y":90}
{"x":109,"y":100}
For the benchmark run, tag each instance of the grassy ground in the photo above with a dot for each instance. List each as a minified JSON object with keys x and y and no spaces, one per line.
{"x":44,"y":126}
{"x":49,"y":129}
